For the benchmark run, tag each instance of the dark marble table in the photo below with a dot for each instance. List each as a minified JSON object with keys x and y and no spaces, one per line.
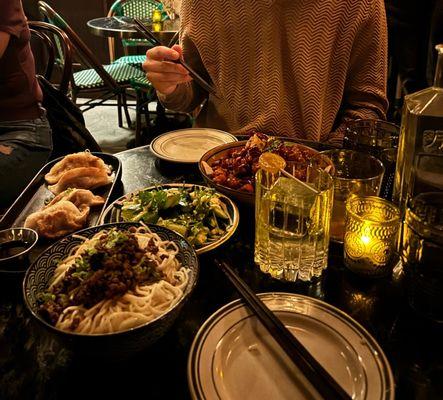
{"x":34,"y":366}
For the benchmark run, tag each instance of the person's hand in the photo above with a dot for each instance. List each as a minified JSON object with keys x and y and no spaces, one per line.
{"x":162,"y":73}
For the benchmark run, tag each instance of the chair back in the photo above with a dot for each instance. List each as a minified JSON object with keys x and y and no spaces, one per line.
{"x":134,"y":8}
{"x":82,"y":50}
{"x":131,"y":8}
{"x":58,"y":49}
{"x":44,"y":43}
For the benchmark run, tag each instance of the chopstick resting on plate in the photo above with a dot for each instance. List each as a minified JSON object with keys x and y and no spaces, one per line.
{"x":322,"y":381}
{"x":197,"y":78}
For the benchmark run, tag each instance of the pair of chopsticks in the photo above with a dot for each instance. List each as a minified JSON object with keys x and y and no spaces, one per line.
{"x":322,"y":381}
{"x":197,"y":78}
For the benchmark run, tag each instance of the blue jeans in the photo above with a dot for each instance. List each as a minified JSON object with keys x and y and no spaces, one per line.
{"x":25,"y":146}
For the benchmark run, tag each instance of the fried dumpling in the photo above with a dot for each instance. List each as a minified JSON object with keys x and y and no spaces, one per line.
{"x":71,"y":161}
{"x":57,"y":220}
{"x":81,"y":178}
{"x":79,"y":197}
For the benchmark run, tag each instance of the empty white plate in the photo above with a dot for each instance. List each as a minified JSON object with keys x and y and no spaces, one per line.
{"x":234,"y":357}
{"x":188,"y":145}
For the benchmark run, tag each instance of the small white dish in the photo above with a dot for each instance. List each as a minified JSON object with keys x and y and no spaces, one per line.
{"x":188,"y":145}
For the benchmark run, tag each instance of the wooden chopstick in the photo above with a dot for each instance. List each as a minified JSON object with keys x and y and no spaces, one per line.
{"x":174,"y":39}
{"x":197,"y":78}
{"x":322,"y":381}
{"x":145,"y":31}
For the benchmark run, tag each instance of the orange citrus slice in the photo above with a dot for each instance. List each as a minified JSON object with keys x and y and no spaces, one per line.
{"x":271,"y":162}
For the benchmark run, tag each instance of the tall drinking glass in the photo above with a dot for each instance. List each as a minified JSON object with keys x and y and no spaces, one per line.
{"x":355,"y":174}
{"x":379,"y":139}
{"x":422,"y":253}
{"x":292,"y":222}
{"x":371,"y":135}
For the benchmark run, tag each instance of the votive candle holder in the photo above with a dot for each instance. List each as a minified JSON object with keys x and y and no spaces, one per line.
{"x":371,"y":235}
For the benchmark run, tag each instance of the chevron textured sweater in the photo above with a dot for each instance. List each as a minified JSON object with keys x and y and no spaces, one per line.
{"x":296,"y":68}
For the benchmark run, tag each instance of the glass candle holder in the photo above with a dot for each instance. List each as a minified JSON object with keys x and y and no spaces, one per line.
{"x":156,"y":16}
{"x":421,"y":253}
{"x":371,"y":232}
{"x":355,"y":174}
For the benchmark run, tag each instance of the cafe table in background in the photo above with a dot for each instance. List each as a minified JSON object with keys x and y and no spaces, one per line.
{"x":117,"y":27}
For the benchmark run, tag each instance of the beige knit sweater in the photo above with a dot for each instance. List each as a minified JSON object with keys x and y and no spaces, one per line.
{"x":288,"y":67}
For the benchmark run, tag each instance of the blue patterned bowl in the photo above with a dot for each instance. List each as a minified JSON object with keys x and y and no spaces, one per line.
{"x":113,"y":345}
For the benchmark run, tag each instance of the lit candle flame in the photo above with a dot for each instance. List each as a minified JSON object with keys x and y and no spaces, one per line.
{"x":365,"y":239}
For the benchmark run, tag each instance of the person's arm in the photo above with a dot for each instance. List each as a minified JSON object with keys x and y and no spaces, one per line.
{"x":4,"y":41}
{"x":11,"y":22}
{"x":365,"y":89}
{"x":175,"y":88}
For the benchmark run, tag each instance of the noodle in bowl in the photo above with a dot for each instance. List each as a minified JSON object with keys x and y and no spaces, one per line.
{"x":136,"y":314}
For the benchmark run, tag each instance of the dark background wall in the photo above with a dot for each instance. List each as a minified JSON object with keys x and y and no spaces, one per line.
{"x":77,"y":13}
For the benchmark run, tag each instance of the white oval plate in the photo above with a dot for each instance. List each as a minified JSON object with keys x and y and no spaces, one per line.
{"x":234,"y":357}
{"x":188,"y":145}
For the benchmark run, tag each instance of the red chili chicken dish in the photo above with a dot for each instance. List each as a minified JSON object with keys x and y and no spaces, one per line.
{"x":237,"y":168}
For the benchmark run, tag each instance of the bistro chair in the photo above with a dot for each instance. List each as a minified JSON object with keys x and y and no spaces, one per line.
{"x":103,"y":82}
{"x":145,"y":94}
{"x":59,"y":52}
{"x":137,"y":9}
{"x":54,"y":74}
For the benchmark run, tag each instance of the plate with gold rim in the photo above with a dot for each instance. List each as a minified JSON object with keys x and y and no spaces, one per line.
{"x":188,"y":145}
{"x":234,"y":357}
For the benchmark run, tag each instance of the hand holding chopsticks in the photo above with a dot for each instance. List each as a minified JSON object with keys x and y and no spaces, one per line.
{"x":323,"y":382}
{"x":197,"y":78}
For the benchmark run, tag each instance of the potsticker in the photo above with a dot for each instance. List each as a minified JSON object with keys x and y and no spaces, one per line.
{"x":79,"y":197}
{"x":57,"y":220}
{"x":81,"y":178}
{"x":71,"y":161}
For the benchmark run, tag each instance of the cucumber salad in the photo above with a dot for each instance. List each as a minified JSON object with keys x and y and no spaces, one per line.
{"x":196,"y":213}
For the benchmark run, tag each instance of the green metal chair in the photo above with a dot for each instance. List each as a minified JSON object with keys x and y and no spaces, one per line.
{"x":102,"y":82}
{"x":131,"y":8}
{"x":145,"y":94}
{"x":134,"y":60}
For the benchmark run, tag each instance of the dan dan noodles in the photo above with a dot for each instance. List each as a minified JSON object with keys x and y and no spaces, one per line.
{"x":116,"y":280}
